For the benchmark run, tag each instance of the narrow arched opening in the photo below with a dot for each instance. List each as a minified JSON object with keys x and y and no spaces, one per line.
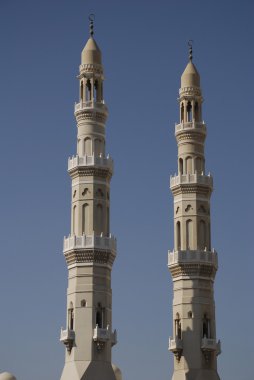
{"x":178,"y":236}
{"x":189,"y":112}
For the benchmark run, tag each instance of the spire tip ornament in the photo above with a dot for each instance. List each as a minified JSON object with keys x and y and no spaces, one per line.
{"x":190,"y":42}
{"x":91,"y":18}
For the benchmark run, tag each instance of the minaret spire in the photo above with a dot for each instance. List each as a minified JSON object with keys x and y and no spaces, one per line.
{"x":192,"y":263}
{"x":90,"y":249}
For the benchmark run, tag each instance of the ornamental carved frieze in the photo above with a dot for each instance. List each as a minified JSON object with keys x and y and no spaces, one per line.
{"x":190,"y":91}
{"x":90,"y":256}
{"x":86,"y":114}
{"x":193,"y":270}
{"x":196,"y":137}
{"x":91,"y":68}
{"x":88,"y":171}
{"x":199,"y":189}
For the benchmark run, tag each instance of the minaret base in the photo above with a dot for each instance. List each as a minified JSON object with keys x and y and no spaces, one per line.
{"x":85,"y":370}
{"x":196,"y":374}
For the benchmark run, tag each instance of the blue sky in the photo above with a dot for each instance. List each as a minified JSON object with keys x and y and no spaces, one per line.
{"x":144,"y":45}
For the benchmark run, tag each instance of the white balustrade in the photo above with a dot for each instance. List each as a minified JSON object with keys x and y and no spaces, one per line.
{"x":90,"y":104}
{"x":208,"y":344}
{"x":105,"y":334}
{"x":89,"y":241}
{"x":90,"y":161}
{"x":175,"y":344}
{"x":190,"y":125}
{"x":175,"y":257}
{"x":191,"y":178}
{"x":67,"y":335}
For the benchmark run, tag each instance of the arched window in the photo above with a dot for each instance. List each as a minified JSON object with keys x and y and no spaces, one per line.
{"x":88,"y":90}
{"x":81,"y":91}
{"x":74,"y":220}
{"x":182,"y":113}
{"x":206,"y":327}
{"x":189,"y":112}
{"x":196,"y":112}
{"x":189,"y":234}
{"x":70,"y":317}
{"x":178,"y":327}
{"x":180,"y":166}
{"x":178,"y":236}
{"x":99,"y":219}
{"x":96,"y":90}
{"x":83,"y":303}
{"x":97,"y":147}
{"x":198,"y":165}
{"x":85,"y":219}
{"x":88,"y":146}
{"x":188,"y":165}
{"x":202,"y":234}
{"x":190,"y":314}
{"x":100,"y":316}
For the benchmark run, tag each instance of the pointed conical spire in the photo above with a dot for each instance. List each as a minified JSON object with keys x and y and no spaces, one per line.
{"x":91,"y":53}
{"x":190,"y":76}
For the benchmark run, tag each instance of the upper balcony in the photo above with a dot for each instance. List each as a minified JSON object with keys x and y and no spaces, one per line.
{"x":67,"y":337}
{"x":210,"y":257}
{"x":79,"y":161}
{"x":104,"y":335}
{"x":186,"y":179}
{"x":175,"y":344}
{"x":89,"y":241}
{"x":91,"y":104}
{"x":192,"y":125}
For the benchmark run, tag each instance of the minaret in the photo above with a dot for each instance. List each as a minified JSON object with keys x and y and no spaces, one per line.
{"x":192,"y":263}
{"x":90,"y":249}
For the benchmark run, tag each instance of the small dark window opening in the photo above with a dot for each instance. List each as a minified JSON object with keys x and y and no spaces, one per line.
{"x":99,"y":319}
{"x":189,"y":112}
{"x":182,"y":113}
{"x":88,"y":90}
{"x":71,"y":318}
{"x":96,"y":92}
{"x":81,"y":91}
{"x":196,"y":111}
{"x":206,"y":327}
{"x":178,"y":327}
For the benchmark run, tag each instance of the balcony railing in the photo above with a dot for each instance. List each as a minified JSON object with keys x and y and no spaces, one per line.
{"x":175,"y":257}
{"x":75,"y":161}
{"x":104,"y":335}
{"x":90,"y":104}
{"x":201,"y":126}
{"x":175,"y":344}
{"x":211,"y":345}
{"x":67,"y":337}
{"x":89,"y":241}
{"x":182,"y":179}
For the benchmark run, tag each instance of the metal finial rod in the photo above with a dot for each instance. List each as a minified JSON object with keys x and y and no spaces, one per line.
{"x":91,"y":19}
{"x":190,"y":42}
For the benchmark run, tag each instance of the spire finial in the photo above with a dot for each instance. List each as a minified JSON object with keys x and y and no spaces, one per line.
{"x":91,"y":19}
{"x":190,"y":42}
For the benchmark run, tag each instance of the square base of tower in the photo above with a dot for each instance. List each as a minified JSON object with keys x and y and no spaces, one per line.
{"x":84,"y":370}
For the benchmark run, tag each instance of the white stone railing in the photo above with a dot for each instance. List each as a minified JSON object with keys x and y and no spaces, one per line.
{"x":175,"y":257}
{"x":75,"y":161}
{"x":190,"y":125}
{"x":89,"y":241}
{"x":67,"y":335}
{"x":103,"y":335}
{"x":90,"y":104}
{"x":208,"y":344}
{"x":191,"y":178}
{"x":175,"y":344}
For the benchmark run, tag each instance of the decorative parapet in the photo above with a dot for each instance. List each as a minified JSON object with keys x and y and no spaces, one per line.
{"x":209,"y":257}
{"x":101,"y":336}
{"x":92,"y":104}
{"x":189,"y":91}
{"x":201,"y":127}
{"x":89,"y":241}
{"x":90,"y":68}
{"x":67,"y":337}
{"x":187,"y":179}
{"x":176,"y":346}
{"x":210,"y":345}
{"x":79,"y":161}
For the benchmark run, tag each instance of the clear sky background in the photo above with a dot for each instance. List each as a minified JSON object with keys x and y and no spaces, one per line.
{"x":144,"y":45}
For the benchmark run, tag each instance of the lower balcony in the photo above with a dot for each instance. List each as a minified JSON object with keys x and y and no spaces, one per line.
{"x":84,"y":161}
{"x":211,"y":345}
{"x":103,"y":335}
{"x":67,"y":337}
{"x":176,"y":346}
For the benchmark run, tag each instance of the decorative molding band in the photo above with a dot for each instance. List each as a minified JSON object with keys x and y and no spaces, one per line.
{"x":77,"y":256}
{"x":86,"y":114}
{"x":189,"y":271}
{"x":89,"y":171}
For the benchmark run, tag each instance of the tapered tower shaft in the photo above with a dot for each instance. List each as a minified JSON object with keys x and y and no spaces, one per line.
{"x":90,"y":249}
{"x":192,"y":263}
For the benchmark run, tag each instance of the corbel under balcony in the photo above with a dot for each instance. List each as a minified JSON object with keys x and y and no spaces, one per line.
{"x":67,"y":337}
{"x":103,"y":335}
{"x":176,"y":346}
{"x":209,"y":346}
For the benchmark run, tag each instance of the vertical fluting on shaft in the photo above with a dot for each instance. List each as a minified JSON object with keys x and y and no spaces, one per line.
{"x":192,"y":263}
{"x":90,"y":249}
